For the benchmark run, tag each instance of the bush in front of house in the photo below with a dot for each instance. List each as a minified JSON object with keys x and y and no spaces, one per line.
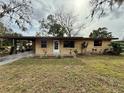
{"x":114,"y":50}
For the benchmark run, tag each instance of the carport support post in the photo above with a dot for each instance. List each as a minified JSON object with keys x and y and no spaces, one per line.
{"x":1,"y":42}
{"x":13,"y":42}
{"x":15,"y":46}
{"x":33,"y":45}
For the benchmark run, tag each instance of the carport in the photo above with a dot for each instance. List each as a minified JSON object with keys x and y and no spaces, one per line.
{"x":16,"y":39}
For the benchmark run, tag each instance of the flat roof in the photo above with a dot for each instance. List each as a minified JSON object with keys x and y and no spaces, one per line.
{"x":53,"y":38}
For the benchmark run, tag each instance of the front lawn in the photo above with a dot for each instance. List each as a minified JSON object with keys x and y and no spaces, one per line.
{"x":89,"y":74}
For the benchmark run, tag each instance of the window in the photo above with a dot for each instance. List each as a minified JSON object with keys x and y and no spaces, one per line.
{"x":97,"y":42}
{"x":43,"y":43}
{"x":69,"y":44}
{"x":56,"y":45}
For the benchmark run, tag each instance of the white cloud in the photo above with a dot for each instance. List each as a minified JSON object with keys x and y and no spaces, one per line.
{"x":114,"y":22}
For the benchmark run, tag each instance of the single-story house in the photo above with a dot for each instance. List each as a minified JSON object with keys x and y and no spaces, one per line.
{"x":65,"y":46}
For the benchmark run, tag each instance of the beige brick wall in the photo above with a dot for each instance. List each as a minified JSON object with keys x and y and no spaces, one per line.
{"x":105,"y":44}
{"x":66,"y":51}
{"x":41,"y":51}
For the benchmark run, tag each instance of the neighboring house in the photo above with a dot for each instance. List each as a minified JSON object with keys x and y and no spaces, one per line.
{"x":66,"y":46}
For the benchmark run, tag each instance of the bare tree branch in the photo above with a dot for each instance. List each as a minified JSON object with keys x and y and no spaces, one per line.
{"x":103,"y":7}
{"x":70,"y":21}
{"x":18,"y":10}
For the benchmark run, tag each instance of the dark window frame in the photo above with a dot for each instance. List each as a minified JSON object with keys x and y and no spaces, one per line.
{"x":69,"y":44}
{"x":98,"y":42}
{"x":43,"y":43}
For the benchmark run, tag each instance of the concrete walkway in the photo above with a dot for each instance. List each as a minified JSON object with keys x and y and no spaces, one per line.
{"x":15,"y":57}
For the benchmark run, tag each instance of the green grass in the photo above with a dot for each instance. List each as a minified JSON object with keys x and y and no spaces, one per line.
{"x":88,"y":74}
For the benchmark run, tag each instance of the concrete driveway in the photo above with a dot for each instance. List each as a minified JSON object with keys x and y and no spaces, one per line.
{"x":12,"y":58}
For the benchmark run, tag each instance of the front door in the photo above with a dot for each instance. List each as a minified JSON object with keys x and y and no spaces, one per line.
{"x":56,"y":47}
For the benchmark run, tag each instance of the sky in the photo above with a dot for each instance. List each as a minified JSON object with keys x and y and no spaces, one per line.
{"x":41,"y":8}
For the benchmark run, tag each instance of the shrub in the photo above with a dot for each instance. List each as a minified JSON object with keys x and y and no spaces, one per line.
{"x":76,"y":52}
{"x":115,"y":49}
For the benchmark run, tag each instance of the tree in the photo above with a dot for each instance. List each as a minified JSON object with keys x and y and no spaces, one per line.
{"x":57,"y":30}
{"x":18,"y":11}
{"x":115,"y":49}
{"x":7,"y":32}
{"x":69,"y":21}
{"x":62,"y":23}
{"x":3,"y":29}
{"x":100,"y":33}
{"x":38,"y":34}
{"x":2,"y":32}
{"x":52,"y":27}
{"x":102,"y":7}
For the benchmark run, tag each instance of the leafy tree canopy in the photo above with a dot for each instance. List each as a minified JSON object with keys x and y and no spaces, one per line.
{"x":100,"y":33}
{"x":3,"y":29}
{"x":61,"y":23}
{"x":52,"y":27}
{"x":7,"y":32}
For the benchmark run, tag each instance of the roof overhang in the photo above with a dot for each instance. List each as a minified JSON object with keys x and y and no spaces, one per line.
{"x":18,"y":38}
{"x":61,"y":38}
{"x":52,"y":38}
{"x":102,"y":39}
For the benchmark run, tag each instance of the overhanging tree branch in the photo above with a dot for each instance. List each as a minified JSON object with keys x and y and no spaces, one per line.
{"x":103,"y":7}
{"x":18,"y":10}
